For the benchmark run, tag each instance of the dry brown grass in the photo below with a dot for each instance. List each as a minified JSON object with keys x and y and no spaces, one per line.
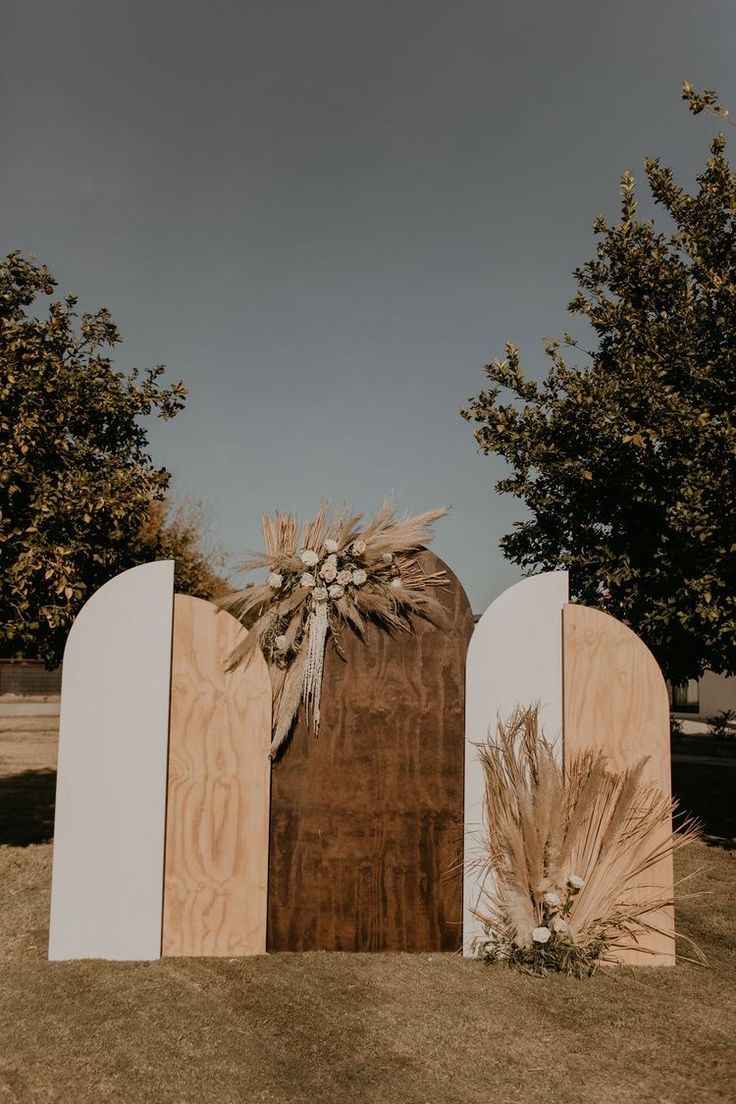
{"x":382,"y":1029}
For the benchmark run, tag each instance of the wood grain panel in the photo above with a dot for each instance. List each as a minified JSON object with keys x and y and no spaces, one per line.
{"x":614,"y":697}
{"x":367,"y":817}
{"x":216,"y":868}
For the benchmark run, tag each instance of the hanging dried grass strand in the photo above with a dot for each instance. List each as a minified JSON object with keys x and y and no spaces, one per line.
{"x":317,"y":627}
{"x":286,"y":704}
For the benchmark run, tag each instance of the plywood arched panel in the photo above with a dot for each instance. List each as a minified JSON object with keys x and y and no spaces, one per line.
{"x":615,"y":699}
{"x":111,"y":784}
{"x":514,"y":659}
{"x":216,"y":872}
{"x":366,"y":818}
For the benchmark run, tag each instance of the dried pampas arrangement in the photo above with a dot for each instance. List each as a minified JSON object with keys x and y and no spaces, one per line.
{"x":324,"y":575}
{"x":563,"y":854}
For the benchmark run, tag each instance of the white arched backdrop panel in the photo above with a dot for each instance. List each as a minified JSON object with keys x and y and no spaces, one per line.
{"x":106,"y":897}
{"x":514,"y":659}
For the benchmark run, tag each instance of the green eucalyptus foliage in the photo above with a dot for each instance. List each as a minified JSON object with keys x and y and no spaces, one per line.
{"x":626,"y":462}
{"x":76,"y":480}
{"x":558,"y":956}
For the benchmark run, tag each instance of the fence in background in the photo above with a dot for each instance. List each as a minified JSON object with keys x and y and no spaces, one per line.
{"x":27,"y":678}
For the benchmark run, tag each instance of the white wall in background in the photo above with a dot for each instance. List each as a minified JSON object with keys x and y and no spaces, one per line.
{"x":716,"y":692}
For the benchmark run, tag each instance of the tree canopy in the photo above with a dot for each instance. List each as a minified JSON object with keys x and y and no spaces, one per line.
{"x":181,"y":532}
{"x":625,"y":459}
{"x":76,"y":478}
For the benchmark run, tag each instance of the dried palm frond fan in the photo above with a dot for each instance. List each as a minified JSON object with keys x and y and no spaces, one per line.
{"x":326,"y":575}
{"x":563,"y":854}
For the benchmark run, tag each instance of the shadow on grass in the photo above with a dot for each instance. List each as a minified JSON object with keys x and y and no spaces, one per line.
{"x":706,"y":791}
{"x":27,"y":807}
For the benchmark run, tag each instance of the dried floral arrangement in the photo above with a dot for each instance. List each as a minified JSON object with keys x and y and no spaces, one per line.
{"x":322,"y":577}
{"x":563,"y":854}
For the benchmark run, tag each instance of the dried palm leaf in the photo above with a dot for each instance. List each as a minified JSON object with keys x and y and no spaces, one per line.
{"x":568,"y":855}
{"x":287,"y":704}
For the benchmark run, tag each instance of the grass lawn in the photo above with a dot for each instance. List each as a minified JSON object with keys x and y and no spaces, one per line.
{"x":353,"y":1028}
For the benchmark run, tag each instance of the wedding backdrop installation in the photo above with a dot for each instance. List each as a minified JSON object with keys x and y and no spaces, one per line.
{"x":323,"y":577}
{"x":363,"y":834}
{"x":359,"y":836}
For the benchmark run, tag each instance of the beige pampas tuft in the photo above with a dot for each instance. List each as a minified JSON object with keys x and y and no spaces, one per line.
{"x":563,"y":855}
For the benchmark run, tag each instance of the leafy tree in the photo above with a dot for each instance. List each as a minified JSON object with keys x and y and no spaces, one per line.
{"x":626,"y":462}
{"x":181,"y":532}
{"x":76,"y":480}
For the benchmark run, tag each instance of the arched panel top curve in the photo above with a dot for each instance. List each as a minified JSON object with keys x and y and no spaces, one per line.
{"x":139,"y":583}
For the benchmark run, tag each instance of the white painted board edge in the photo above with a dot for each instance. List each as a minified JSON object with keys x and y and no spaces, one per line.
{"x":514,"y":659}
{"x":107,"y":884}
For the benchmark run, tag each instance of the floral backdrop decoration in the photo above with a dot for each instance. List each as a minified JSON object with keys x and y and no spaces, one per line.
{"x":328,"y":575}
{"x":568,"y":859}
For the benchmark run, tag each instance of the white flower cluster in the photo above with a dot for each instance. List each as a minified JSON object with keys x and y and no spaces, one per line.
{"x":328,"y":574}
{"x":556,"y":910}
{"x":326,"y":577}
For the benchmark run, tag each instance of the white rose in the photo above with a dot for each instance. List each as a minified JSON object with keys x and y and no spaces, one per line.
{"x":396,"y":583}
{"x":280,"y":643}
{"x":307,"y":579}
{"x":331,"y":545}
{"x":387,"y":557}
{"x":308,"y":557}
{"x":359,"y":547}
{"x":319,"y":594}
{"x":275,"y":580}
{"x":553,"y":898}
{"x":359,"y":577}
{"x":559,"y":924}
{"x":576,"y":881}
{"x":335,"y":591}
{"x":344,"y":577}
{"x":541,"y":935}
{"x":328,"y":571}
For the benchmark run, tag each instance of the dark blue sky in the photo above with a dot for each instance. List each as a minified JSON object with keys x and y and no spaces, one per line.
{"x":327,"y":216}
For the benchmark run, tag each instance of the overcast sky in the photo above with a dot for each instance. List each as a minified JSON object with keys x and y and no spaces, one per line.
{"x":326,"y":216}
